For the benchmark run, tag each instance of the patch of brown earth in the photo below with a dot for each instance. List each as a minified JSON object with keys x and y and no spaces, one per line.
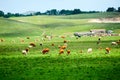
{"x":105,"y":20}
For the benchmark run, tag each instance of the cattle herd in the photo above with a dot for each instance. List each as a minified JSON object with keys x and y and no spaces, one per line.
{"x":61,"y":48}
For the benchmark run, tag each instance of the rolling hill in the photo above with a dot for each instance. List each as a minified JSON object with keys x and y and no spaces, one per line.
{"x":57,"y":25}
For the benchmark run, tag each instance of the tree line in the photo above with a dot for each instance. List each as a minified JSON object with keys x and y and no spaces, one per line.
{"x":56,"y":12}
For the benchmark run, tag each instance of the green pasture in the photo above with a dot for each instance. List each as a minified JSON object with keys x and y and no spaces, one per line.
{"x":77,"y":66}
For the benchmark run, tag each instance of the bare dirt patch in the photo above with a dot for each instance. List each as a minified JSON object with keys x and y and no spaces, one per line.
{"x":105,"y":20}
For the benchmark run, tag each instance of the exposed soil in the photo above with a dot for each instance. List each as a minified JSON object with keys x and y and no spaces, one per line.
{"x":105,"y":20}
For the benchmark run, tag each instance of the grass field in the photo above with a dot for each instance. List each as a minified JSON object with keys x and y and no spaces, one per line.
{"x":52,"y":66}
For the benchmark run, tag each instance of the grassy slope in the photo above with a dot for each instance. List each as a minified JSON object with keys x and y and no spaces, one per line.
{"x":58,"y":25}
{"x":72,"y":23}
{"x":12,"y":28}
{"x":76,"y":66}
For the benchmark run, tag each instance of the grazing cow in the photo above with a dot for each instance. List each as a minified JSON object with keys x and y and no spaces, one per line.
{"x":46,"y":50}
{"x":41,"y":44}
{"x":61,"y":51}
{"x":118,"y":42}
{"x":89,"y":50}
{"x":63,"y":37}
{"x":107,"y":50}
{"x":68,"y":52}
{"x":63,"y":47}
{"x":25,"y":51}
{"x":99,"y":40}
{"x":65,"y":41}
{"x":32,"y":44}
{"x":114,"y":43}
{"x":1,"y":40}
{"x":28,"y":37}
{"x":52,"y":44}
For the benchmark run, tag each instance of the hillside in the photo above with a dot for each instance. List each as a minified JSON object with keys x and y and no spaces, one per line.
{"x":57,"y":25}
{"x":12,"y":28}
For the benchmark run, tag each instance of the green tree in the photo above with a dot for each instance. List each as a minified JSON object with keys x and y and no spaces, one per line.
{"x":38,"y":13}
{"x":48,"y":12}
{"x":10,"y":14}
{"x":17,"y":14}
{"x":65,"y":12}
{"x":6,"y":16}
{"x":1,"y":13}
{"x":118,"y":9}
{"x":111,"y":9}
{"x":76,"y":11}
{"x":62,"y":12}
{"x":54,"y":12}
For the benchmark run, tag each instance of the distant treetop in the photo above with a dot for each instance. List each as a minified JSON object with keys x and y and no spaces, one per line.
{"x":56,"y":12}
